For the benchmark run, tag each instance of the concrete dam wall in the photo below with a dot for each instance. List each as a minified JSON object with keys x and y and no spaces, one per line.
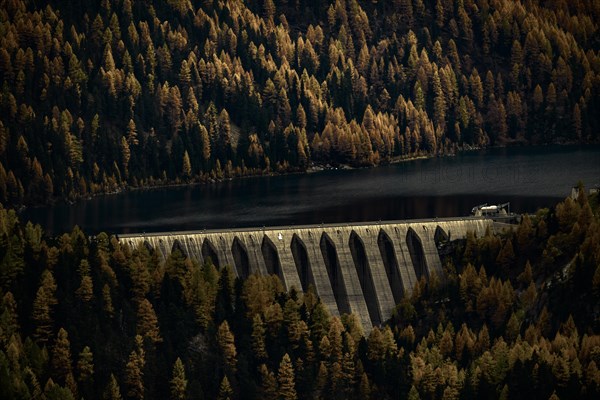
{"x":363,"y":269}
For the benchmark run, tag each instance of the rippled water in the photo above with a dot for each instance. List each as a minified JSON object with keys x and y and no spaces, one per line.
{"x":528,"y":177}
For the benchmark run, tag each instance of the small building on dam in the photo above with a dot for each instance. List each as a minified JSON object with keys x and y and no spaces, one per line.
{"x":363,"y":268}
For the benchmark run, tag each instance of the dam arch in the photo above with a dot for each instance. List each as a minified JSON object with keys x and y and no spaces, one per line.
{"x":240,"y":258}
{"x":390,"y":263}
{"x":332,"y":264}
{"x":300,"y":255}
{"x":271,"y":257}
{"x":440,"y":236}
{"x":162,"y":247}
{"x":209,"y":252}
{"x":417,"y":254}
{"x":177,"y":245}
{"x":363,"y":270}
{"x":148,"y":246}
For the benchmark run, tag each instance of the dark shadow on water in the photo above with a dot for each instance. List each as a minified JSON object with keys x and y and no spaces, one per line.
{"x":529,"y":178}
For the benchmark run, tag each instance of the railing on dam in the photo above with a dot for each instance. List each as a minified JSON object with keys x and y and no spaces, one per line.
{"x":362,"y":268}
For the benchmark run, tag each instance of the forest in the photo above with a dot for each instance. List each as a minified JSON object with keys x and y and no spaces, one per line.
{"x":516,"y":315}
{"x":102,"y":96}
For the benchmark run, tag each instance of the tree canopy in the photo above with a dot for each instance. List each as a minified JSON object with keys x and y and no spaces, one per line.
{"x":97,"y":96}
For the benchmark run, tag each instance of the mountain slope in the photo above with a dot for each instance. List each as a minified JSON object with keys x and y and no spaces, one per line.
{"x":99,"y":96}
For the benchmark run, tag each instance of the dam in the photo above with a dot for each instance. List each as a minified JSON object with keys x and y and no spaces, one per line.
{"x":362,"y":268}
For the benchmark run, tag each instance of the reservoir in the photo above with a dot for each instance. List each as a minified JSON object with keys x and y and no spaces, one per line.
{"x":527,"y":177}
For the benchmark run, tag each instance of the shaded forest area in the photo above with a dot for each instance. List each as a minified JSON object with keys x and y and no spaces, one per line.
{"x":97,"y":96}
{"x":516,"y":315}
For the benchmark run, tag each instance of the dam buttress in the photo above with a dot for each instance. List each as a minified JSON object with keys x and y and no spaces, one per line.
{"x":363,"y":268}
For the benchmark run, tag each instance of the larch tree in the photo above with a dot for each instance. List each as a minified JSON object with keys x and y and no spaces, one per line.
{"x":186,"y":165}
{"x":538,"y":97}
{"x":85,"y":364}
{"x":125,"y":155}
{"x":85,"y":291}
{"x":348,"y":375}
{"x":224,"y":150}
{"x":107,"y":301}
{"x":134,"y":370}
{"x":269,"y":10}
{"x":9,"y":322}
{"x":364,"y":389}
{"x":439,"y":14}
{"x":61,"y":355}
{"x":112,"y":390}
{"x":506,"y":256}
{"x":301,"y":117}
{"x":439,"y":104}
{"x":42,"y":307}
{"x":205,"y":145}
{"x":226,"y":343}
{"x":525,"y":277}
{"x":178,"y":381}
{"x":132,"y":134}
{"x":335,"y":338}
{"x":258,"y":338}
{"x":147,"y":324}
{"x":319,"y":320}
{"x":225,"y":391}
{"x":140,"y":277}
{"x":321,"y":379}
{"x":554,"y":396}
{"x":476,"y":87}
{"x":291,"y":319}
{"x":419,"y":96}
{"x":413,"y":393}
{"x":268,"y":387}
{"x":285,"y":377}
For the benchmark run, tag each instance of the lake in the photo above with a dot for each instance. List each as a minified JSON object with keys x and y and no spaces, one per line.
{"x":527,"y":177}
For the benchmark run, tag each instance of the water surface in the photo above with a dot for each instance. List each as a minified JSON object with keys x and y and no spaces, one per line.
{"x":527,"y":177}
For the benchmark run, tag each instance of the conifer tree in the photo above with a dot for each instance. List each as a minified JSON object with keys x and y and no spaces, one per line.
{"x":134,"y":370}
{"x":364,"y":387}
{"x":226,"y":344}
{"x":178,"y":381}
{"x":61,"y":355}
{"x":269,"y":9}
{"x":112,"y":391}
{"x":258,"y":337}
{"x":147,"y":324}
{"x":107,"y":301}
{"x":85,"y":364}
{"x":187,"y":165}
{"x":413,"y":394}
{"x":439,"y":103}
{"x":285,"y":377}
{"x":506,"y":256}
{"x":125,"y":155}
{"x":132,"y":139}
{"x":269,"y":389}
{"x":225,"y":391}
{"x":86,"y":289}
{"x":42,"y":307}
{"x":9,"y":323}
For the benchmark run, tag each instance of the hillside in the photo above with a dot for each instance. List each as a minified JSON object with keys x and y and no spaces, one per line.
{"x":98,"y":96}
{"x":517,"y":317}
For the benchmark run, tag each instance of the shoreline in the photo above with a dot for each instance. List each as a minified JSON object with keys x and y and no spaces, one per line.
{"x":312,"y":169}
